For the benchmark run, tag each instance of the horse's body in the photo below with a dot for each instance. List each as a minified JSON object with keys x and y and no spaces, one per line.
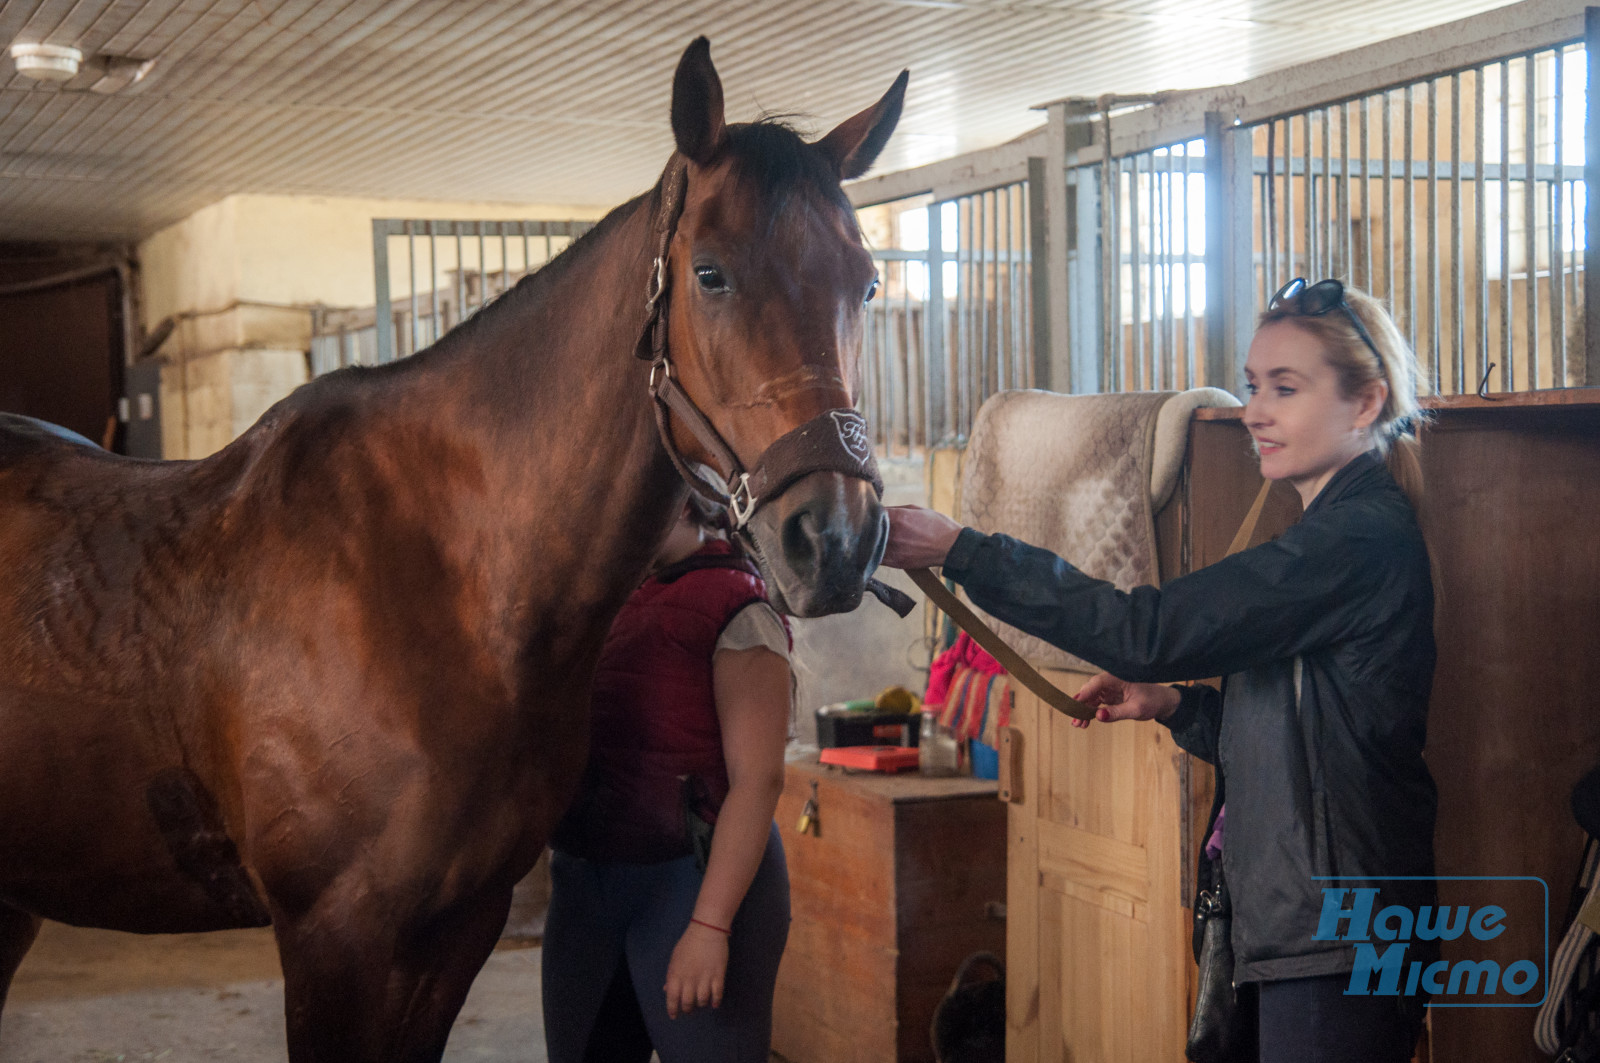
{"x":336,"y":676}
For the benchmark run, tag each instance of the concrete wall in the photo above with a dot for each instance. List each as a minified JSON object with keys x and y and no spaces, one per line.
{"x":242,"y":276}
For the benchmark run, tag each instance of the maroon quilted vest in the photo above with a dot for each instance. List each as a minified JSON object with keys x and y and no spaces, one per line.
{"x":655,"y":741}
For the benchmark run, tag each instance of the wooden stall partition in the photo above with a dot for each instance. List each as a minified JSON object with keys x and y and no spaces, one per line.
{"x":1512,"y":516}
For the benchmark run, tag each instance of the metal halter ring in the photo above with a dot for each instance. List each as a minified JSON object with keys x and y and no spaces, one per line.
{"x":659,"y":371}
{"x":741,"y":503}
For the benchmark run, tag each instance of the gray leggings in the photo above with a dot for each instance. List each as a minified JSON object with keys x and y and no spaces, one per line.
{"x":603,"y":915}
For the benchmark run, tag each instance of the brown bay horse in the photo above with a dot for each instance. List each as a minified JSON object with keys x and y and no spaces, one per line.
{"x":335,"y":677}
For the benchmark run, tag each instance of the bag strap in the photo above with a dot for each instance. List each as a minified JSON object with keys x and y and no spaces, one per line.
{"x":1010,"y":659}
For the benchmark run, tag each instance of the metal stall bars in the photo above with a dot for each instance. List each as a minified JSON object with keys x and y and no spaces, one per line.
{"x":1133,"y":265}
{"x":1444,"y":171}
{"x":443,"y":271}
{"x":952,"y":323}
{"x":898,"y":375}
{"x":1152,"y":297}
{"x":1160,"y":275}
{"x":991,"y":307}
{"x":1457,"y":199}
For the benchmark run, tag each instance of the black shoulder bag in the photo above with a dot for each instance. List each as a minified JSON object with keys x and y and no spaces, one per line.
{"x":1223,"y":1029}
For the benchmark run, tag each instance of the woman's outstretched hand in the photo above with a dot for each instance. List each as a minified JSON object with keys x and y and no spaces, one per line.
{"x":918,"y":537}
{"x":1116,"y":699}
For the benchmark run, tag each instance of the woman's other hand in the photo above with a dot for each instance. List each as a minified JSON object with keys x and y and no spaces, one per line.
{"x":696,"y":970}
{"x":1116,"y":699}
{"x":918,"y":537}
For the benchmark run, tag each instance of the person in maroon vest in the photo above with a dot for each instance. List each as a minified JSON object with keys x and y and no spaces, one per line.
{"x":670,"y":903}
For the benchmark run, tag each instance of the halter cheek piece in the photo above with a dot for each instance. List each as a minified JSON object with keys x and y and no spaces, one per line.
{"x":833,"y":441}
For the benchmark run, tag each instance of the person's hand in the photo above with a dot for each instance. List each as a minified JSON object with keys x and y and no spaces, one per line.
{"x":918,"y":538}
{"x":696,"y":971}
{"x":1115,"y":699}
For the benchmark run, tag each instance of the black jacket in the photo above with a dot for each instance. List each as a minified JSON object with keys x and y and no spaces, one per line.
{"x":1337,"y":788}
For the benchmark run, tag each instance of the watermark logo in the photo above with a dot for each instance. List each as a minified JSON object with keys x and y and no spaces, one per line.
{"x":1479,"y":971}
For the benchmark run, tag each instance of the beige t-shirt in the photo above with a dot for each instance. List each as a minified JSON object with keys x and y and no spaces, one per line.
{"x":757,"y":624}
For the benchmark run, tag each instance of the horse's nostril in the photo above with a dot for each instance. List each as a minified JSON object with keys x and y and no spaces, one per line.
{"x":800,"y":540}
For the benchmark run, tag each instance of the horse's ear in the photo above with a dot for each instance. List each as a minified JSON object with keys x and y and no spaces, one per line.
{"x":697,"y":103}
{"x":854,"y":144}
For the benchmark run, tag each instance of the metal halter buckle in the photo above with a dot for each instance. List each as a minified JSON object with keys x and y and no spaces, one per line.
{"x":741,"y":503}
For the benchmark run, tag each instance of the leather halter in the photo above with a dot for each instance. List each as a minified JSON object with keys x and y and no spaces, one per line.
{"x":834,"y":441}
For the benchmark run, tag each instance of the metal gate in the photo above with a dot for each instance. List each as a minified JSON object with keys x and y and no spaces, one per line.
{"x":952,"y":322}
{"x":1457,"y":197}
{"x":1444,"y":172}
{"x":429,"y":277}
{"x":1458,"y":200}
{"x":1136,"y":275}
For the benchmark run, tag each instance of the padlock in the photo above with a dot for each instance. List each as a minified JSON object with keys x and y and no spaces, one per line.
{"x":808,"y":813}
{"x":808,"y":816}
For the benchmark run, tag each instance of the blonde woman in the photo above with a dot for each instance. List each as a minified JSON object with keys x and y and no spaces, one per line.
{"x":1325,"y":636}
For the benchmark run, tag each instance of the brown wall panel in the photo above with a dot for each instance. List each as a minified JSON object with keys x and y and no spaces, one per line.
{"x":1513,"y":524}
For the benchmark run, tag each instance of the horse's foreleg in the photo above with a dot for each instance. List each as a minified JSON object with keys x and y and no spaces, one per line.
{"x":378,"y":997}
{"x":17,"y":931}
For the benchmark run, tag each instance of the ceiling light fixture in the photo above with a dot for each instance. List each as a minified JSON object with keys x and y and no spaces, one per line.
{"x":46,"y":62}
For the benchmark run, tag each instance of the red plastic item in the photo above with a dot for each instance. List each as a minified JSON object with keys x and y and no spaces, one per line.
{"x":872,"y":758}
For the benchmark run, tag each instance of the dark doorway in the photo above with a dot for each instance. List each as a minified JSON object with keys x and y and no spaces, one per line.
{"x":62,"y":340}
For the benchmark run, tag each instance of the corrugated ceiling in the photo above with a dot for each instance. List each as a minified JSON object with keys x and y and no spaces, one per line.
{"x":566,"y":102}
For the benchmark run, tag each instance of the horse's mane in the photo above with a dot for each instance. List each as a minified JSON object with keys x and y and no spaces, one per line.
{"x":531,"y":286}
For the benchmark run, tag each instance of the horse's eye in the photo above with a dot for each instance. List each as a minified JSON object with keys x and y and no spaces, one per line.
{"x":872,"y":290}
{"x":711,"y":279}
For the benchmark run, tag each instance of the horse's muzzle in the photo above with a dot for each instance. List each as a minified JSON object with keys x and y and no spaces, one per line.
{"x":819,"y":542}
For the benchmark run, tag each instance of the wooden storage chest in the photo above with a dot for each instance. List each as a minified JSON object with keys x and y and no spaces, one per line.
{"x":901,"y":879}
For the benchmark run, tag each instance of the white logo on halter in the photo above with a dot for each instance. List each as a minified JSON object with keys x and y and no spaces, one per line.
{"x":853,"y":434}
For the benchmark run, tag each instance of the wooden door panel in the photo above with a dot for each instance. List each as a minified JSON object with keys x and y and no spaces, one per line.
{"x":1083,"y":784}
{"x":1096,"y":892}
{"x":1092,"y":864}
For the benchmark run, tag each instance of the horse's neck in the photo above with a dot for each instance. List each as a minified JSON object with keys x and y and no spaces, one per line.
{"x":552,"y":413}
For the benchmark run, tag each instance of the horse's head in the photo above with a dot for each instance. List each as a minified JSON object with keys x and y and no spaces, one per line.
{"x":767,"y":280}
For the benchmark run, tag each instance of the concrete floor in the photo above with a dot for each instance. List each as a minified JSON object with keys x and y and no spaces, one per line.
{"x":92,"y":996}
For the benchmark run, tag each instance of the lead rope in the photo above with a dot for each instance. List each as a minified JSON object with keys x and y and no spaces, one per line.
{"x":1010,"y":659}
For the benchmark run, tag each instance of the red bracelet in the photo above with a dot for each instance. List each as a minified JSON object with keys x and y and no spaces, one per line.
{"x":709,"y":926}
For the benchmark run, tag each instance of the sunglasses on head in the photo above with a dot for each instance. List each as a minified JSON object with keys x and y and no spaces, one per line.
{"x":1314,"y":300}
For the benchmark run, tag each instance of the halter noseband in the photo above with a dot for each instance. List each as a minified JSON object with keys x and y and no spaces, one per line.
{"x":834,"y":441}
